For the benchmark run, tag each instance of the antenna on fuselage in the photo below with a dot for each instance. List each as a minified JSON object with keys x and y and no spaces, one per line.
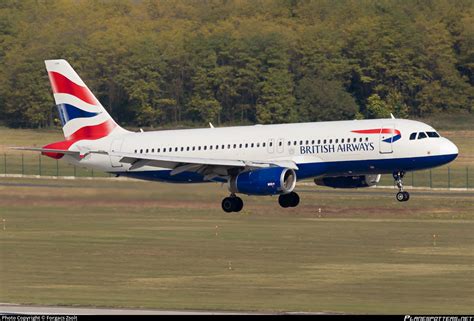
{"x":211,"y":125}
{"x":391,"y":115}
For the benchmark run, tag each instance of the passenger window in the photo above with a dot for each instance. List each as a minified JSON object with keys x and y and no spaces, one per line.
{"x":251,"y":145}
{"x":337,"y":140}
{"x":205,"y":147}
{"x":312,"y":142}
{"x":324,"y":141}
{"x":412,"y":136}
{"x":367,"y":139}
{"x":176,"y":149}
{"x":194,"y":148}
{"x":210,"y":147}
{"x":342,"y":140}
{"x":360,"y":140}
{"x":301,"y":142}
{"x":258,"y":144}
{"x":246,"y":145}
{"x":280,"y":143}
{"x":330,"y":141}
{"x":240,"y":145}
{"x":294,"y":143}
{"x":199,"y":147}
{"x":147,"y":150}
{"x":289,"y":143}
{"x":319,"y":141}
{"x":264,"y":144}
{"x":182,"y":149}
{"x":135,"y":151}
{"x":421,"y":135}
{"x":354,"y":140}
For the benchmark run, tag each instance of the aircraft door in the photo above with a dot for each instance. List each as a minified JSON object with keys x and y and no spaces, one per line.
{"x":116,"y":147}
{"x":386,"y":135}
{"x":271,"y":145}
{"x":280,"y":145}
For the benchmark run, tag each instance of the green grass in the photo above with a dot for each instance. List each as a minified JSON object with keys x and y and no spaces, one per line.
{"x":138,"y":244}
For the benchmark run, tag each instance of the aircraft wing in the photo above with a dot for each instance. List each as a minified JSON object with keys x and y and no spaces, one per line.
{"x":210,"y":167}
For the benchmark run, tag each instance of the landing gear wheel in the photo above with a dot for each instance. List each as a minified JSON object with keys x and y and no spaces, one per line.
{"x":228,"y":204}
{"x":232,"y":204}
{"x":295,"y":199}
{"x":289,"y":200}
{"x":284,"y":200}
{"x":407,"y":196}
{"x":239,"y":204}
{"x":402,"y":196}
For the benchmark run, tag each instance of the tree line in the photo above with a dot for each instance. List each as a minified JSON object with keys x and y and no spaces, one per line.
{"x":188,"y":62}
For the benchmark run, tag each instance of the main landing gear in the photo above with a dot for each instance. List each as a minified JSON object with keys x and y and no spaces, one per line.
{"x":232,"y":204}
{"x":402,"y":196}
{"x":289,"y":200}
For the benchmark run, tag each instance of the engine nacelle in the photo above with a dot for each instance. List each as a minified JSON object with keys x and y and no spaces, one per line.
{"x":348,"y":181}
{"x":265,"y":181}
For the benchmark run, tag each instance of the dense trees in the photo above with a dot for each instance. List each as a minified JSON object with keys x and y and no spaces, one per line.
{"x":154,"y":63}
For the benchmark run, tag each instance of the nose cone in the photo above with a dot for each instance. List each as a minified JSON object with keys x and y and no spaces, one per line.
{"x":448,"y":148}
{"x":448,"y":151}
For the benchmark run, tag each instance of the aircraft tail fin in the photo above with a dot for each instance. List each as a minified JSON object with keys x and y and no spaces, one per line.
{"x":82,"y":115}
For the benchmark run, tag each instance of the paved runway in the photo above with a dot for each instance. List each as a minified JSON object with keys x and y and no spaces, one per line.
{"x":39,"y":310}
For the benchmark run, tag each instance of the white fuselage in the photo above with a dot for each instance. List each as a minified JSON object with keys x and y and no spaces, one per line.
{"x":318,"y":149}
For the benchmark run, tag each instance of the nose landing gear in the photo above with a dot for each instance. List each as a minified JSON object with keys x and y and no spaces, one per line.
{"x":401,"y":196}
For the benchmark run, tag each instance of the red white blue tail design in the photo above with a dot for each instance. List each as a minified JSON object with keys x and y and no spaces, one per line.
{"x":81,"y":114}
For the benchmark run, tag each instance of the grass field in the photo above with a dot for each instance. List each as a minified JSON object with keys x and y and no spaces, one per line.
{"x":128,"y":244}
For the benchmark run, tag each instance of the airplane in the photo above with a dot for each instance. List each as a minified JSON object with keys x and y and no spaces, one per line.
{"x":252,"y":160}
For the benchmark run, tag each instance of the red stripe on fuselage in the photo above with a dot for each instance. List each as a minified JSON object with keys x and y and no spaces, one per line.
{"x":377,"y":131}
{"x":63,"y":85}
{"x":88,"y":132}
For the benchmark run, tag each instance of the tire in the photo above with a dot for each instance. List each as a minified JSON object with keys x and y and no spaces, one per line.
{"x":238,"y":204}
{"x":407,"y":196}
{"x":294,"y":199}
{"x":228,"y":205}
{"x":284,"y":200}
{"x":400,"y":196}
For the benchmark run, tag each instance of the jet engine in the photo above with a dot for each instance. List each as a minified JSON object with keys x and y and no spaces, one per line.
{"x":265,"y":181}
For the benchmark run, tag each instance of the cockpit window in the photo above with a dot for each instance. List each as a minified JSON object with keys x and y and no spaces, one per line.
{"x":432,"y":134}
{"x":412,"y":136}
{"x":421,"y":135}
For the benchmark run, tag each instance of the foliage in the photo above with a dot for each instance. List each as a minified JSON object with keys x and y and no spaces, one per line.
{"x":154,"y":63}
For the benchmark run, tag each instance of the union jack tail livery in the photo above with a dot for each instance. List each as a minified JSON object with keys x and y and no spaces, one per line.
{"x":81,"y":113}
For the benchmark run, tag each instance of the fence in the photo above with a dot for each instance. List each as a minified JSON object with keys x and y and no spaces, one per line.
{"x":35,"y":164}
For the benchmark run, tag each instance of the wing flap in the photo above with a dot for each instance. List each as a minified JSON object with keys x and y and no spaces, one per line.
{"x":181,"y":164}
